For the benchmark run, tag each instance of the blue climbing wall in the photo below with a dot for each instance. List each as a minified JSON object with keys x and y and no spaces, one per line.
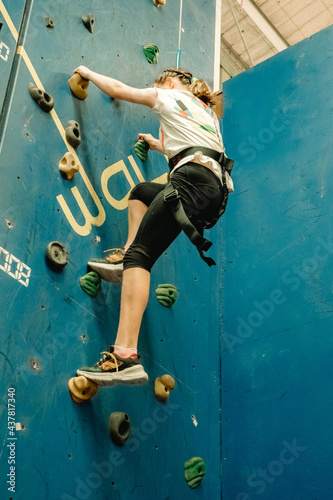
{"x":49,"y":326}
{"x":277,"y":303}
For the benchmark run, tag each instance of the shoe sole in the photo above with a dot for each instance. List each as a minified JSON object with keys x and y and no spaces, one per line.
{"x":112,"y":275}
{"x":131,"y":376}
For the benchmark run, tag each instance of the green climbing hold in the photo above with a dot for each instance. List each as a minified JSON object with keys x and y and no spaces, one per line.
{"x":91,"y":283}
{"x":151,"y":52}
{"x":194,"y":471}
{"x":166,"y":294}
{"x":141,"y":148}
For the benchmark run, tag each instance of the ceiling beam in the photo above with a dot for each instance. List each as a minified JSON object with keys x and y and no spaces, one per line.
{"x":264,"y":24}
{"x":230,"y":60}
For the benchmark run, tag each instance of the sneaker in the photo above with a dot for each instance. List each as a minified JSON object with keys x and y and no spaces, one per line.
{"x":110,"y":268}
{"x":113,"y":370}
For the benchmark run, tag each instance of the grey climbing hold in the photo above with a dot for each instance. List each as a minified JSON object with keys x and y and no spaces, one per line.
{"x":73,"y":133}
{"x":151,"y":52}
{"x":119,"y":427}
{"x":56,"y":255}
{"x":43,"y":99}
{"x":89,"y":22}
{"x":49,"y":23}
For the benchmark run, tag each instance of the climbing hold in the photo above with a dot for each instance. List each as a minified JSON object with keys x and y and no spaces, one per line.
{"x":56,"y":255}
{"x":73,"y":133}
{"x":141,"y":148}
{"x":166,"y":294}
{"x":151,"y":52}
{"x":89,"y":22}
{"x":91,"y":283}
{"x":163,"y":386}
{"x":49,"y":23}
{"x":45,"y":101}
{"x":119,"y":427}
{"x":78,"y":86}
{"x":194,"y":471}
{"x":68,"y":166}
{"x":81,"y":389}
{"x":157,"y":3}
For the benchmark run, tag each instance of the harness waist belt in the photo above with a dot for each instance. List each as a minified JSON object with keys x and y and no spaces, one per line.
{"x":221,"y":158}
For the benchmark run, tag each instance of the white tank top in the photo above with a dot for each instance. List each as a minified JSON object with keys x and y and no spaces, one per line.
{"x":186,"y":121}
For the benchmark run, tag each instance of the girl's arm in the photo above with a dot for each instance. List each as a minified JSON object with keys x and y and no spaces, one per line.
{"x":118,"y":90}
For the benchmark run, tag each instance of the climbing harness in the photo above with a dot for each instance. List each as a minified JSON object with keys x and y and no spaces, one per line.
{"x":172,"y":197}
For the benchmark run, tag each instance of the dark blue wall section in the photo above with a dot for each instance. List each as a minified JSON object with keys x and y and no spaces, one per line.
{"x":8,"y":44}
{"x":277,"y":302}
{"x":49,"y":326}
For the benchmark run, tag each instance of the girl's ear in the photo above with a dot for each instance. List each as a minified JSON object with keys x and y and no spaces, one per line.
{"x":170,"y":82}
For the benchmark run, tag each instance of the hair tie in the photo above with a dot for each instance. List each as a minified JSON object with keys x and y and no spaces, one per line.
{"x":193,"y":79}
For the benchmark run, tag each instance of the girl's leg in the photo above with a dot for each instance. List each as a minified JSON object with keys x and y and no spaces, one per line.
{"x":136,"y":211}
{"x":142,"y":195}
{"x":155,"y":233}
{"x":134,"y":299}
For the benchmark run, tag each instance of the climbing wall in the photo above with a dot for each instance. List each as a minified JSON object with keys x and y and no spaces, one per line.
{"x":52,"y":448}
{"x":277,"y":303}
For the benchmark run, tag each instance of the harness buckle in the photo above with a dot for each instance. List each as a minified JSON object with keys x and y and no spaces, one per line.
{"x":205,"y":246}
{"x":170,"y":194}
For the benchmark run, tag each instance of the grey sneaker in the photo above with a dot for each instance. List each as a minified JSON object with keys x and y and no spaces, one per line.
{"x":113,"y":370}
{"x":110,"y":268}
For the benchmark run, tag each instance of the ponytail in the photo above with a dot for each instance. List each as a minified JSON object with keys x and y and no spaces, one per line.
{"x":202,"y":90}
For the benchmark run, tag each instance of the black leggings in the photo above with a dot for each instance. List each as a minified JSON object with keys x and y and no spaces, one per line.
{"x":202,"y":196}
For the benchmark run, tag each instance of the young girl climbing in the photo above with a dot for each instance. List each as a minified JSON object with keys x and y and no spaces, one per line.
{"x":194,"y":198}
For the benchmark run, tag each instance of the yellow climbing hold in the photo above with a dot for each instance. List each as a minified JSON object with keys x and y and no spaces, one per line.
{"x":81,"y":389}
{"x":78,"y":86}
{"x":163,"y":386}
{"x":157,"y":3}
{"x":68,"y":166}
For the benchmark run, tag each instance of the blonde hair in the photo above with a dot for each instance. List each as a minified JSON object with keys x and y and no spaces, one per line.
{"x":199,"y":88}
